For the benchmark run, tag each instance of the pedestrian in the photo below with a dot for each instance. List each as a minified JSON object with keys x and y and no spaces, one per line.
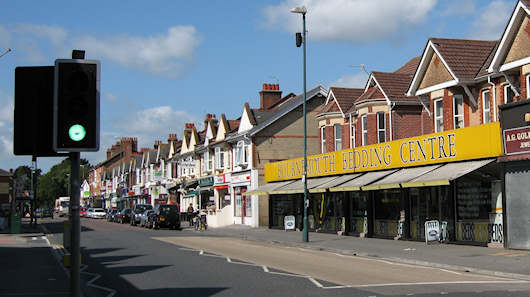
{"x":190,"y":212}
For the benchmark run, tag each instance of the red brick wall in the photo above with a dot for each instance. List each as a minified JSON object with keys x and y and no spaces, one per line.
{"x":346,"y":136}
{"x":330,"y":139}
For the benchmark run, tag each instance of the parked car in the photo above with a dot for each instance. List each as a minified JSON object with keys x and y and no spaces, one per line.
{"x":144,"y":217}
{"x":82,"y":212}
{"x":88,"y":212}
{"x":98,"y":213}
{"x":138,"y":210}
{"x":124,"y":215}
{"x":111,"y":214}
{"x":165,"y":215}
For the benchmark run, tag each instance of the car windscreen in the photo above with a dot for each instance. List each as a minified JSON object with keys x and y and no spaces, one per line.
{"x":99,"y":210}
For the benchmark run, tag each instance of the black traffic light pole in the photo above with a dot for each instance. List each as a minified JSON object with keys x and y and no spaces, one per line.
{"x":75,"y":238}
{"x":75,"y":249}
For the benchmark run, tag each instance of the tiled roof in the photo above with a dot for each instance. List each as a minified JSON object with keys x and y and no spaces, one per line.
{"x":164,"y":151}
{"x":464,"y":57}
{"x":330,"y":107}
{"x":371,"y":93}
{"x":395,"y":85}
{"x":261,"y":116}
{"x":152,"y":156}
{"x":484,"y":69}
{"x":409,"y":67}
{"x":346,"y":96}
{"x":4,"y":173}
{"x":233,"y":125}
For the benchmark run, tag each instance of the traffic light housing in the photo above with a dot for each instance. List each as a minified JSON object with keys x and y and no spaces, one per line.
{"x":76,"y":105}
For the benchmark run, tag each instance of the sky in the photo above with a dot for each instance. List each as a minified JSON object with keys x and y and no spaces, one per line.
{"x":167,"y":63}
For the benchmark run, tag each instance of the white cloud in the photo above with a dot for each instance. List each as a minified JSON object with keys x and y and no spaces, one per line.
{"x":349,"y":20}
{"x":357,"y":80}
{"x":6,"y":109}
{"x":459,"y":7}
{"x":490,"y":24}
{"x":164,"y":54}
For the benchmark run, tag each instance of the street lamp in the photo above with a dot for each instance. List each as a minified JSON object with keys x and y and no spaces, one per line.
{"x":305,"y":234}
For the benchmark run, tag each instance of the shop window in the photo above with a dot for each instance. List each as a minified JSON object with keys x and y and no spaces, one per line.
{"x":323,"y":139}
{"x":381,"y":127}
{"x":364,"y":129}
{"x":328,"y":212}
{"x":458,"y":111}
{"x":338,"y":137}
{"x":508,"y":94}
{"x":438,"y":115}
{"x":473,"y":199}
{"x":219,"y":158}
{"x":486,"y":109}
{"x":352,"y":135}
{"x":388,"y":207}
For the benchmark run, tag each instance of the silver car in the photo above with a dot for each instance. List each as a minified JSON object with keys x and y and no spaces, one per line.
{"x":144,"y":216}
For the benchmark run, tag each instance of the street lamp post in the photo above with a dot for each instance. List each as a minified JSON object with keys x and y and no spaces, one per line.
{"x":305,"y":234}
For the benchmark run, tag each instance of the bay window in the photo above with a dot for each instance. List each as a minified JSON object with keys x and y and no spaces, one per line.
{"x":364,"y":129}
{"x":219,"y":158}
{"x":381,"y":127}
{"x":323,"y":139}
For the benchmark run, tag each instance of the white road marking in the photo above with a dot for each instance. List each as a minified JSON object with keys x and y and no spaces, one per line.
{"x":315,"y":282}
{"x":265,"y":268}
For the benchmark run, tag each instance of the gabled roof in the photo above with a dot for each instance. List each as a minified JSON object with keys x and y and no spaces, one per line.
{"x":163,"y":151}
{"x":462,"y":58}
{"x":520,"y":12}
{"x":340,"y":99}
{"x":394,"y":85}
{"x":233,"y":125}
{"x":287,"y":107}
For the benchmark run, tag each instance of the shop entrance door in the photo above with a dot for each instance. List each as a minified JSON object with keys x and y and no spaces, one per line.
{"x":424,"y":206}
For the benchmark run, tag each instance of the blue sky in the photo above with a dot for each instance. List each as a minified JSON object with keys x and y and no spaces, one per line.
{"x":165,"y":63}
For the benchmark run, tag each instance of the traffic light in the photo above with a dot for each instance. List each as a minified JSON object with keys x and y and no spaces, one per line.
{"x":76,"y":105}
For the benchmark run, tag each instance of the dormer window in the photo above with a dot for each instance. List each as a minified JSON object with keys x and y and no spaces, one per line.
{"x":241,"y":153}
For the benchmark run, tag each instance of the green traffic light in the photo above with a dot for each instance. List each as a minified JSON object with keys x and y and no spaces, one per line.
{"x":77,"y":132}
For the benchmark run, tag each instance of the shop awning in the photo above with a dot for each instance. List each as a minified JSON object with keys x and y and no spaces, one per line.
{"x":365,"y":179}
{"x":334,"y":182}
{"x":267,"y":188}
{"x":401,"y":176}
{"x":298,"y":185}
{"x":191,"y":194}
{"x":206,"y":189}
{"x":446,"y":173}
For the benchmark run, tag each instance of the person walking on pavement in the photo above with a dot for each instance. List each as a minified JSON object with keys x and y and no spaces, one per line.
{"x":190,"y":212}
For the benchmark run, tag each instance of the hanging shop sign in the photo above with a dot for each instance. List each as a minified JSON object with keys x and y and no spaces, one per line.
{"x":455,"y":145}
{"x":516,"y":140}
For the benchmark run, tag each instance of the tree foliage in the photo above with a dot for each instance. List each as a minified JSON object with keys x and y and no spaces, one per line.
{"x":56,"y":182}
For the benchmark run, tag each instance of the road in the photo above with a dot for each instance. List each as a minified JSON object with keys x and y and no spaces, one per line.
{"x":133,"y":261}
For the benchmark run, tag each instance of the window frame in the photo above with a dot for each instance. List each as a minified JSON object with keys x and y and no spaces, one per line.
{"x":507,"y":87}
{"x":364,"y":130}
{"x":352,"y":134}
{"x":455,"y":116}
{"x":323,"y":139}
{"x":241,"y":156}
{"x":484,"y":110}
{"x":219,"y":158}
{"x":528,"y":86}
{"x":337,"y":141}
{"x":379,"y":129}
{"x":437,"y":116}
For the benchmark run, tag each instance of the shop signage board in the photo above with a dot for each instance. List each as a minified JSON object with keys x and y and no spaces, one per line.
{"x":432,"y":231}
{"x":516,"y":140}
{"x":289,"y":222}
{"x":470,"y":143}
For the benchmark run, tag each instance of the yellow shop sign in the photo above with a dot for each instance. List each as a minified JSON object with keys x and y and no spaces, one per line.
{"x":456,"y":145}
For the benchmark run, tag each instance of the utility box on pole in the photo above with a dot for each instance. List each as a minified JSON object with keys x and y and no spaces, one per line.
{"x":76,"y":105}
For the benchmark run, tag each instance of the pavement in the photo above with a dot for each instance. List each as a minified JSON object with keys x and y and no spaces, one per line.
{"x":28,"y":265}
{"x":482,"y":260}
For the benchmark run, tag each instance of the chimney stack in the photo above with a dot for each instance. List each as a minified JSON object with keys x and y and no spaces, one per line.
{"x":269,"y":96}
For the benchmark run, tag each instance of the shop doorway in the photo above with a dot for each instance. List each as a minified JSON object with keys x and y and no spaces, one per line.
{"x":429,"y":203}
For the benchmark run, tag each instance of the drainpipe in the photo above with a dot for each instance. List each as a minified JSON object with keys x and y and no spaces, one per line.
{"x":494,"y":99}
{"x":391,"y":105}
